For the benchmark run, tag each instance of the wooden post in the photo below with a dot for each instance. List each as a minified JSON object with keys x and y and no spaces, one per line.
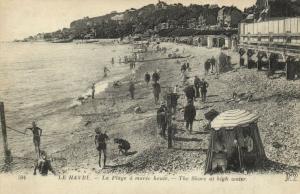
{"x":169,"y":118}
{"x":4,"y":134}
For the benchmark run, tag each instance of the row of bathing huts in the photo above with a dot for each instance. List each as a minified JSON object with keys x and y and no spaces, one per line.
{"x":272,"y":46}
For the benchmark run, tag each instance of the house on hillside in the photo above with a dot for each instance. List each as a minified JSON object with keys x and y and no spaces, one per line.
{"x":118,"y":18}
{"x":229,"y":17}
{"x":161,"y":5}
{"x":201,"y":20}
{"x":173,"y":23}
{"x":192,"y":23}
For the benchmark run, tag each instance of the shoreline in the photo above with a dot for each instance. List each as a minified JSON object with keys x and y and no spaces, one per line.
{"x":113,"y":107}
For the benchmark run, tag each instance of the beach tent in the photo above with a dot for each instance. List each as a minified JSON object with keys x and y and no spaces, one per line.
{"x":232,"y":130}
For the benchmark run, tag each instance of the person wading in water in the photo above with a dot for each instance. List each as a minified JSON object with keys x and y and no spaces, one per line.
{"x":100,"y":142}
{"x":37,"y":133}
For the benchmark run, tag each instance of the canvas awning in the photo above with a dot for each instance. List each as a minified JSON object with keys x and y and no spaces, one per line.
{"x":233,"y":118}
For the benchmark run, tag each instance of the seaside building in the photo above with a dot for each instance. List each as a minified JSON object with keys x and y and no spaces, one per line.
{"x":229,"y":17}
{"x":277,"y":40}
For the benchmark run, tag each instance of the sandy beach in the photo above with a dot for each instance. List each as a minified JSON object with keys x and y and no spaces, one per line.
{"x":113,"y":111}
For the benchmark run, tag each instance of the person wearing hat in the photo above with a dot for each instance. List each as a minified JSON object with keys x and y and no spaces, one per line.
{"x":162,"y":118}
{"x":37,"y":133}
{"x":189,"y":115}
{"x":100,"y":142}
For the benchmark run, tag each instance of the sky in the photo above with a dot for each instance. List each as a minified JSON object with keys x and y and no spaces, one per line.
{"x":22,"y":18}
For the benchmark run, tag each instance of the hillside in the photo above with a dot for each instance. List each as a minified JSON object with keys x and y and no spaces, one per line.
{"x":147,"y":19}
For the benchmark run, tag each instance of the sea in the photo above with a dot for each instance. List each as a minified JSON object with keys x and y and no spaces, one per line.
{"x":40,"y":81}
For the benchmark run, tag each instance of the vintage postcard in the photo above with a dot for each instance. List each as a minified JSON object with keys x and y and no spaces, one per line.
{"x":129,"y":96}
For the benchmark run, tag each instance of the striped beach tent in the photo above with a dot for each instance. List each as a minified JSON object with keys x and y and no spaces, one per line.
{"x":229,"y":137}
{"x":233,"y":118}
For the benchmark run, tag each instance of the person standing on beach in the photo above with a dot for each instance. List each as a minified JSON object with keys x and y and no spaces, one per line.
{"x":156,"y":91}
{"x":197,"y":84}
{"x":207,"y":66}
{"x":174,"y":98}
{"x":189,"y":115}
{"x":147,"y":78}
{"x":155,"y":76}
{"x":93,"y":90}
{"x":213,"y":63}
{"x":112,"y":61}
{"x":37,"y":133}
{"x":204,"y":86}
{"x":100,"y":142}
{"x":105,"y":70}
{"x":131,"y":89}
{"x":190,"y":93}
{"x":162,"y":119}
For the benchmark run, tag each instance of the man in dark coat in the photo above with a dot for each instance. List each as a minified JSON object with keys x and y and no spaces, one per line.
{"x":155,"y":77}
{"x":197,"y":84}
{"x":131,"y":89}
{"x":204,"y":86}
{"x":162,"y":119}
{"x":156,"y":91}
{"x":207,"y":66}
{"x":190,"y":92}
{"x":189,"y":115}
{"x":147,"y":78}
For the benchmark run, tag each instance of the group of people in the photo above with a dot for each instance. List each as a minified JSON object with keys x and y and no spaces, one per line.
{"x":43,"y":162}
{"x":210,"y":64}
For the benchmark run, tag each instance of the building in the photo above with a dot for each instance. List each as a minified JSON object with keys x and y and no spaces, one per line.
{"x":192,"y":23}
{"x":161,"y":5}
{"x":201,"y":20}
{"x":118,"y":18}
{"x":229,"y":17}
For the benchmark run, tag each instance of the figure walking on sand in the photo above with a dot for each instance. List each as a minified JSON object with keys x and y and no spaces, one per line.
{"x":155,"y":76}
{"x":156,"y":91}
{"x":213,"y":63}
{"x":197,"y":84}
{"x":112,"y":61}
{"x":100,"y":142}
{"x":105,"y":70}
{"x":147,"y":78}
{"x":93,"y":90}
{"x":162,"y":119}
{"x":37,"y":133}
{"x":207,"y":66}
{"x":204,"y":86}
{"x":131,"y":89}
{"x":189,"y":115}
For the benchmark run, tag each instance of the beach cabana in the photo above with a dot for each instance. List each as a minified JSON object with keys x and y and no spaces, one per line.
{"x":235,"y":143}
